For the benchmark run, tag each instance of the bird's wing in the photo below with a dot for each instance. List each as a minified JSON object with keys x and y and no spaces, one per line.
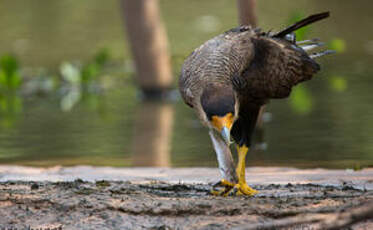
{"x":277,"y":65}
{"x":187,"y":81}
{"x":186,"y":92}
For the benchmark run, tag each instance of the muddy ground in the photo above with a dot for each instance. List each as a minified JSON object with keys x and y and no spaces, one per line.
{"x":159,"y":205}
{"x":87,"y":197}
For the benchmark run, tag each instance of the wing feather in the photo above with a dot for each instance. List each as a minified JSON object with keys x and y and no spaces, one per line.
{"x":277,"y":66}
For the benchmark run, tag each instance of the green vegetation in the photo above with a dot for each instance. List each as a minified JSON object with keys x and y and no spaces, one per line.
{"x":10,"y":78}
{"x":74,"y":82}
{"x":10,"y":82}
{"x":79,"y":81}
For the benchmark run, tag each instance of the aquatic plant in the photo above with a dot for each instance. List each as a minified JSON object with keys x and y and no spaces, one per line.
{"x":10,"y":82}
{"x":10,"y":78}
{"x":81,"y":79}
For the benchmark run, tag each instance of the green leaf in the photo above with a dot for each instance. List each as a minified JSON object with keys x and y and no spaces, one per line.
{"x":14,"y":81}
{"x":89,"y":72}
{"x":70,"y":99}
{"x":3,"y":79}
{"x":102,"y":57}
{"x":70,"y":73}
{"x":9,"y":76}
{"x":9,"y":64}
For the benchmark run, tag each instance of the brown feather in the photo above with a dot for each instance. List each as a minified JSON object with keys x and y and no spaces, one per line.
{"x":258,"y":66}
{"x":302,"y":23}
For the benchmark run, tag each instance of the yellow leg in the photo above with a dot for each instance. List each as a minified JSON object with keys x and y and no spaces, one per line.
{"x":242,"y":187}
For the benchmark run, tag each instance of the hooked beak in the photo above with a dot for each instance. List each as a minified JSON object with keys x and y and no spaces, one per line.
{"x":223,"y":125}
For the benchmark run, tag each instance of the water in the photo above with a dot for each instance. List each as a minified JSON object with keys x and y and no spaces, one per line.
{"x":328,"y":124}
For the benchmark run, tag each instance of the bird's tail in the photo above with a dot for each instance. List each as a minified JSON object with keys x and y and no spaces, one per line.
{"x":306,"y":45}
{"x":302,"y":23}
{"x":309,"y":45}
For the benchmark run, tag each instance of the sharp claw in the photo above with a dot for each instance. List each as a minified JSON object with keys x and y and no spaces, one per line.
{"x":222,"y":192}
{"x":227,"y":183}
{"x":234,"y":191}
{"x":223,"y":183}
{"x":226,"y":191}
{"x":230,"y":189}
{"x":247,"y":190}
{"x":215,"y":192}
{"x":218,"y":184}
{"x":227,"y":187}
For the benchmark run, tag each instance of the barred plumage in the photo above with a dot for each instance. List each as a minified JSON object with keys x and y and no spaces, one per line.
{"x":228,"y":78}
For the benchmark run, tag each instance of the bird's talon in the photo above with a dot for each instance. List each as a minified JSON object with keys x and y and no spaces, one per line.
{"x":234,"y":190}
{"x":215,"y":192}
{"x":247,"y":190}
{"x":227,"y":187}
{"x":226,"y":183}
{"x":223,"y":183}
{"x":221,"y":192}
{"x":218,"y":184}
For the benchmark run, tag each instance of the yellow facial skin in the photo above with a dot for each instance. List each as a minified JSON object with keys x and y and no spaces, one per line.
{"x":220,"y":122}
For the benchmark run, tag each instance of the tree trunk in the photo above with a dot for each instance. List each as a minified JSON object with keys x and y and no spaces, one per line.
{"x":247,"y":12}
{"x":148,"y":41}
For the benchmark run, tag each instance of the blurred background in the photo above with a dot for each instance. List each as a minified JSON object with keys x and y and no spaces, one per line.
{"x":93,"y":82}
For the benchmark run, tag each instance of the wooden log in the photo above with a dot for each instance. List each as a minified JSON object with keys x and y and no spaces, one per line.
{"x":318,"y":221}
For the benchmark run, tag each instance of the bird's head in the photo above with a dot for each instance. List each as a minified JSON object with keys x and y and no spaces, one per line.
{"x":219,"y":104}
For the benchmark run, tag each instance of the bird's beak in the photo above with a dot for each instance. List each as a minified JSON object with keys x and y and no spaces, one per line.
{"x":223,"y":125}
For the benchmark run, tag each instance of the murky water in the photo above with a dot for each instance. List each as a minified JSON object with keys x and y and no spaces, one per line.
{"x":328,"y":123}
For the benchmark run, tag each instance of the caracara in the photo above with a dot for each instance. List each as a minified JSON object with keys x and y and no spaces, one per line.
{"x":228,"y":78}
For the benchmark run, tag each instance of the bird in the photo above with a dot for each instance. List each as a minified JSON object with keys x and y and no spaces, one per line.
{"x":227,"y":79}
